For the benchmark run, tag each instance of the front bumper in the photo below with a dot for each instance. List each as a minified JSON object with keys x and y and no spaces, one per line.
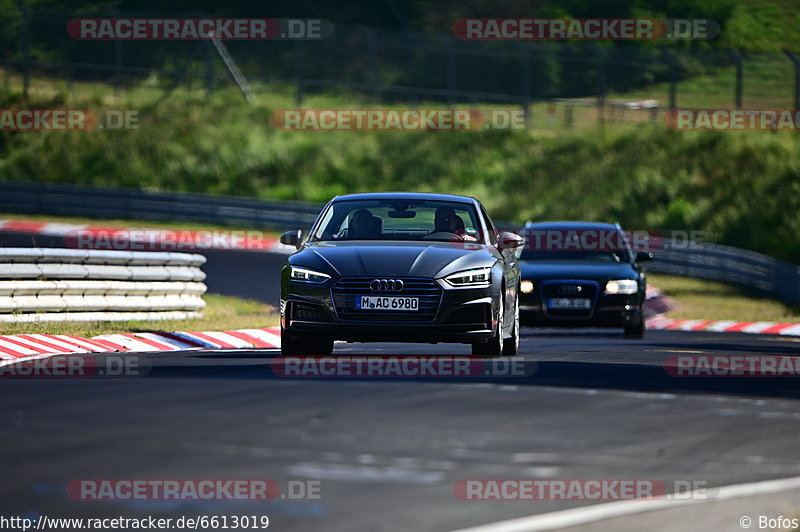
{"x":606,"y":311}
{"x":465,"y":315}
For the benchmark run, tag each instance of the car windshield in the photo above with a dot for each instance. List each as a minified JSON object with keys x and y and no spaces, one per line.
{"x":399,"y":219}
{"x":575,"y":245}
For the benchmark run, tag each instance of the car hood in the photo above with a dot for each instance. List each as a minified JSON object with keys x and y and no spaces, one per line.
{"x":411,"y":259}
{"x":593,"y":271}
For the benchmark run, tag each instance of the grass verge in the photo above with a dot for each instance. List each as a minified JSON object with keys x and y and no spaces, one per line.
{"x":707,"y":300}
{"x":221,"y":313}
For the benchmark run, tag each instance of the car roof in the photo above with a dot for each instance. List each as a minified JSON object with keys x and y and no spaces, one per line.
{"x":405,"y":195}
{"x":568,"y":224}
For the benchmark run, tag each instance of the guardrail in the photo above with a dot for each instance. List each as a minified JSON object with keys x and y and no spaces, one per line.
{"x":115,"y":203}
{"x":51,"y":284}
{"x":749,"y":269}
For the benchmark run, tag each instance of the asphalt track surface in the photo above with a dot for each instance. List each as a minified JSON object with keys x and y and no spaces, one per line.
{"x":387,"y":452}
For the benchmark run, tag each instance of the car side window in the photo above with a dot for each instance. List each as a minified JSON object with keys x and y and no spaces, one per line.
{"x":489,"y":227}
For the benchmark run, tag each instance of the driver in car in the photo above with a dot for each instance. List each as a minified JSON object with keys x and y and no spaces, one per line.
{"x":444,"y":220}
{"x":447,"y":221}
{"x":361,"y":225}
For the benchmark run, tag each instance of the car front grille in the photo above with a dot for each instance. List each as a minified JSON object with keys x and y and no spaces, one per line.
{"x":570,"y":289}
{"x":348,"y":289}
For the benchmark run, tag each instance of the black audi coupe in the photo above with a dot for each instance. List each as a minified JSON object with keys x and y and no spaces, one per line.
{"x":401,"y":267}
{"x":582,"y":274}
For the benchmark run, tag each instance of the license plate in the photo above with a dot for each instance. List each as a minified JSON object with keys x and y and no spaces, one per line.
{"x":387,"y":303}
{"x":569,"y":303}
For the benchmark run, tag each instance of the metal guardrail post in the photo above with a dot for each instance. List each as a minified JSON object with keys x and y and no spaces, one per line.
{"x":118,"y":61}
{"x":372,"y":44}
{"x":26,"y":47}
{"x":209,"y":74}
{"x":796,"y":62}
{"x":737,"y":58}
{"x":525,"y":81}
{"x":672,"y":63}
{"x":601,"y":84}
{"x":449,"y":59}
{"x":297,"y":68}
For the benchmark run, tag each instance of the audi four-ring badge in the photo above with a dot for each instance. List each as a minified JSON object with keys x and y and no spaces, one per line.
{"x":401,"y":267}
{"x":387,"y":285}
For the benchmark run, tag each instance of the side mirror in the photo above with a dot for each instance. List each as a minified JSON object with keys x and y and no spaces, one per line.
{"x":292,"y":238}
{"x":644,"y":256}
{"x":508,"y":240}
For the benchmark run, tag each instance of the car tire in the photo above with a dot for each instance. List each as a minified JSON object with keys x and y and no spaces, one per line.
{"x":636,"y":331}
{"x":292,"y":344}
{"x":511,"y":345}
{"x":494,"y":346}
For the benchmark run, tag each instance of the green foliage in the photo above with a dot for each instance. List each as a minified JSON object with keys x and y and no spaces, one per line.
{"x":743,"y":188}
{"x":763,"y":25}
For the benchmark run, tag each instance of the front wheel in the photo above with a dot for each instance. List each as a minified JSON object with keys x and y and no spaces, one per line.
{"x":636,"y":331}
{"x":494,"y":347}
{"x":511,"y":345}
{"x":293,"y":344}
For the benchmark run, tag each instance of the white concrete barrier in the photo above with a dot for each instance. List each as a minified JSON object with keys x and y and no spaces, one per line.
{"x":51,"y":284}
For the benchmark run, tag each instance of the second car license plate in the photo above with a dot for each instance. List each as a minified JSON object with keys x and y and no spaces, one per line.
{"x":569,"y":303}
{"x":387,"y":303}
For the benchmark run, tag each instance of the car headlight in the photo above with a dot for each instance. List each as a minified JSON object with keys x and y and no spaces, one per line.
{"x":526,"y":287}
{"x":622,"y":286}
{"x":308,"y":276}
{"x":476,"y":277}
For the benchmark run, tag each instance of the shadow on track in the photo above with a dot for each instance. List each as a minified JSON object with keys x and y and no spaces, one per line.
{"x":254,"y":364}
